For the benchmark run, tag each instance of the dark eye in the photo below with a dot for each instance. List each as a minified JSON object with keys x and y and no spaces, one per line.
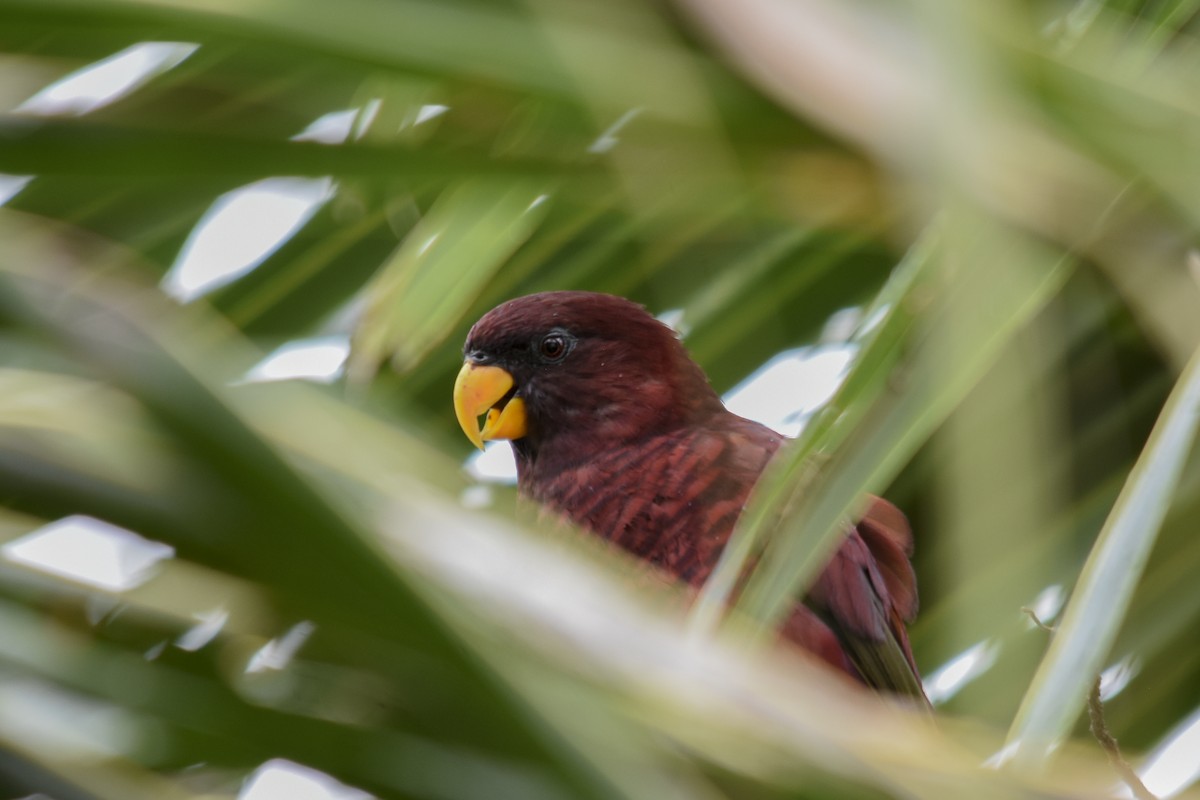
{"x":553,"y":346}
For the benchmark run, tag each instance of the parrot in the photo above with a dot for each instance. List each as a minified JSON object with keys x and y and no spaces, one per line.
{"x":616,"y":428}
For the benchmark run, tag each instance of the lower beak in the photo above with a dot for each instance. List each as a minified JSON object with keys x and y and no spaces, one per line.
{"x":477,"y":390}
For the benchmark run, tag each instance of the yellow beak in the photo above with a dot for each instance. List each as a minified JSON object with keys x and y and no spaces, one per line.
{"x":476,"y":390}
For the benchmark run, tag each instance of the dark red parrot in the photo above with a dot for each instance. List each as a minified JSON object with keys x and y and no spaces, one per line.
{"x":615,"y":427}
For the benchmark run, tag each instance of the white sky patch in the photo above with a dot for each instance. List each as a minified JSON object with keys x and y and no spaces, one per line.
{"x":89,"y":551}
{"x":208,"y":625}
{"x":843,"y":324}
{"x":496,"y":464}
{"x":428,"y":112}
{"x":108,"y":80}
{"x":321,"y":359}
{"x":1114,"y":679}
{"x":240,"y":230}
{"x":280,"y":779}
{"x":331,"y":128}
{"x":337,"y":127}
{"x":673,"y":319}
{"x":278,"y":653}
{"x":1175,"y":764}
{"x":948,"y":679}
{"x":11,"y":186}
{"x":785,"y":391}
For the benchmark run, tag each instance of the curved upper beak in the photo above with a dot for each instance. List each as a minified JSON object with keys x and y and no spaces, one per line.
{"x":482,"y":390}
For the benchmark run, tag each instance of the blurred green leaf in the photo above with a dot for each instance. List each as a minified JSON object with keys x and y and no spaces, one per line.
{"x":426,"y":286}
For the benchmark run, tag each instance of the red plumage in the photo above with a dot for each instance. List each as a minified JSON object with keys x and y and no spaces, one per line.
{"x":625,"y":436}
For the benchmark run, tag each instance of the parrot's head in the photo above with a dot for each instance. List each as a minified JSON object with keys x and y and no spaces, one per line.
{"x":575,"y":369}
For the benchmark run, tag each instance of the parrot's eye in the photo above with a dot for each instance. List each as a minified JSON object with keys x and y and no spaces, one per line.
{"x":553,"y":347}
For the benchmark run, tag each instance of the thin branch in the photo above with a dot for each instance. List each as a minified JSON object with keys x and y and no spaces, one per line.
{"x":1111,"y":748}
{"x":1036,"y":620}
